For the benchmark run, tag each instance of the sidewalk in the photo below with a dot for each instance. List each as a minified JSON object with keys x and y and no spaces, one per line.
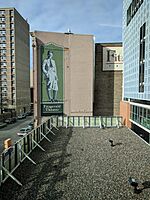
{"x":80,"y":164}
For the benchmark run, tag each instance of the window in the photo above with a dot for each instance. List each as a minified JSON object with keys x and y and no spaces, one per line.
{"x":2,"y":32}
{"x":12,"y":38}
{"x":13,"y":71}
{"x":12,"y":57}
{"x":2,"y":38}
{"x":12,"y":45}
{"x":11,"y":19}
{"x":11,"y":32}
{"x":2,"y":19}
{"x":3,"y":45}
{"x":3,"y":64}
{"x":3,"y":76}
{"x":2,"y":25}
{"x":3,"y":57}
{"x":13,"y":64}
{"x":133,"y":8}
{"x":11,"y":25}
{"x":12,"y":51}
{"x":11,"y":12}
{"x":4,"y":84}
{"x":4,"y":70}
{"x":142,"y":57}
{"x":2,"y":51}
{"x":2,"y":12}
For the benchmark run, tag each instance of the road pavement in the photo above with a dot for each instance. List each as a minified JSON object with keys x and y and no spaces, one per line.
{"x":10,"y":131}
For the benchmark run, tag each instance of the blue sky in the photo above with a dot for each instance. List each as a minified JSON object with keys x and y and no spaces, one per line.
{"x":102,"y":18}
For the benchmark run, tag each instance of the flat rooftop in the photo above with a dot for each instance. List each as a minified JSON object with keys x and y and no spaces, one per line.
{"x":81,"y":164}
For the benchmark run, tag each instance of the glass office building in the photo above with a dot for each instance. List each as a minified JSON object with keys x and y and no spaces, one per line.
{"x":136,"y":81}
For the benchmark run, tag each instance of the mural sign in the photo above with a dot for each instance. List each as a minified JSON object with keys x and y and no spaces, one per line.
{"x":51,"y":79}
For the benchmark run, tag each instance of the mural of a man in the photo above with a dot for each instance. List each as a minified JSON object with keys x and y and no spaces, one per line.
{"x":50,"y":71}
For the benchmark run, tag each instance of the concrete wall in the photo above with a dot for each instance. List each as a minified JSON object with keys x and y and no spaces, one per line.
{"x":108,"y":85}
{"x":22,"y":62}
{"x":78,"y":71}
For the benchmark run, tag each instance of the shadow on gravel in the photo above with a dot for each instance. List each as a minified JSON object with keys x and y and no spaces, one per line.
{"x":146,"y":185}
{"x":39,"y":180}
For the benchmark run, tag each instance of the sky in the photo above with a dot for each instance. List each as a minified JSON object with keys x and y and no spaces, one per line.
{"x":101,"y":18}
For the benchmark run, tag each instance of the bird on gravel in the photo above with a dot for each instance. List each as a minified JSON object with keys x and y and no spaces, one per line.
{"x":111,"y":141}
{"x":135,"y":185}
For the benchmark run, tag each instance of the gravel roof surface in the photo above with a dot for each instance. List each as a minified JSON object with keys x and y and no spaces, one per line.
{"x":80,"y":164}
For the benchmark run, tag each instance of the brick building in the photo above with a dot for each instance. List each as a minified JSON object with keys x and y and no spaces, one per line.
{"x":108,"y":79}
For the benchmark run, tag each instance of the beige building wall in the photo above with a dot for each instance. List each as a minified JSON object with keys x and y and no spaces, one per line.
{"x":78,"y":71}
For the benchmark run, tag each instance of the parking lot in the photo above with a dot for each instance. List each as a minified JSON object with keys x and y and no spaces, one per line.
{"x":10,"y":131}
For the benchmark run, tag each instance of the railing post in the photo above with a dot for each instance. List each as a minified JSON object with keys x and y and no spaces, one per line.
{"x":28,"y":143}
{"x":3,"y":165}
{"x":9,"y":158}
{"x":16,"y":154}
{"x":24,"y":144}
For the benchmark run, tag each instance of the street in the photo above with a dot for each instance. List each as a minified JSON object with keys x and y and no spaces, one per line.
{"x":10,"y":131}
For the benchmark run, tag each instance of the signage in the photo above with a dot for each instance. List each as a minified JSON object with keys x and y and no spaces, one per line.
{"x":51,"y":79}
{"x":112,"y":58}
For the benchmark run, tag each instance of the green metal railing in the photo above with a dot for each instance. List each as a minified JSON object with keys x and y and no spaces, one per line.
{"x":61,"y":121}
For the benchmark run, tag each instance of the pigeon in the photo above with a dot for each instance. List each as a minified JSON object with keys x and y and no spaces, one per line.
{"x":111,"y":141}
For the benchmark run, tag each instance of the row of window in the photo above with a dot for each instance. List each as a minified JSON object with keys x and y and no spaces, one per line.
{"x":142,"y":57}
{"x":3,"y":58}
{"x":3,"y":32}
{"x":2,"y":25}
{"x":2,"y":19}
{"x":3,"y":38}
{"x":4,"y":64}
{"x":140,"y":115}
{"x":4,"y":84}
{"x":4,"y":70}
{"x":133,"y":8}
{"x":3,"y":51}
{"x":2,"y":12}
{"x":3,"y":45}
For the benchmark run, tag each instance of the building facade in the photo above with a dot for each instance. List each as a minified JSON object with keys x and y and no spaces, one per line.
{"x":135,"y":106}
{"x":14,"y":61}
{"x":108,"y":79}
{"x":63,"y":67}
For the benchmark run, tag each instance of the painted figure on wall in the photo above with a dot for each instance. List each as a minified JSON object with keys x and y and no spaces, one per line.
{"x":50,"y":71}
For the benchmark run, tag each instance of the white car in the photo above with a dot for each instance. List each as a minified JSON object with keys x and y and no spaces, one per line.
{"x":24,"y":131}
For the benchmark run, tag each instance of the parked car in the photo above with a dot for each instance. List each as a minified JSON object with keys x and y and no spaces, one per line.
{"x":9,"y":121}
{"x":23,"y":131}
{"x":14,"y":119}
{"x":21,"y":116}
{"x":31,"y":125}
{"x":29,"y":113}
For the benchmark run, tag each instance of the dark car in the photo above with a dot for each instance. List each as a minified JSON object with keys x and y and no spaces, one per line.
{"x":9,"y":121}
{"x":14,"y":119}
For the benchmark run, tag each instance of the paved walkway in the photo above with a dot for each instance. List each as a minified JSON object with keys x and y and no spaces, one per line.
{"x":80,"y":164}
